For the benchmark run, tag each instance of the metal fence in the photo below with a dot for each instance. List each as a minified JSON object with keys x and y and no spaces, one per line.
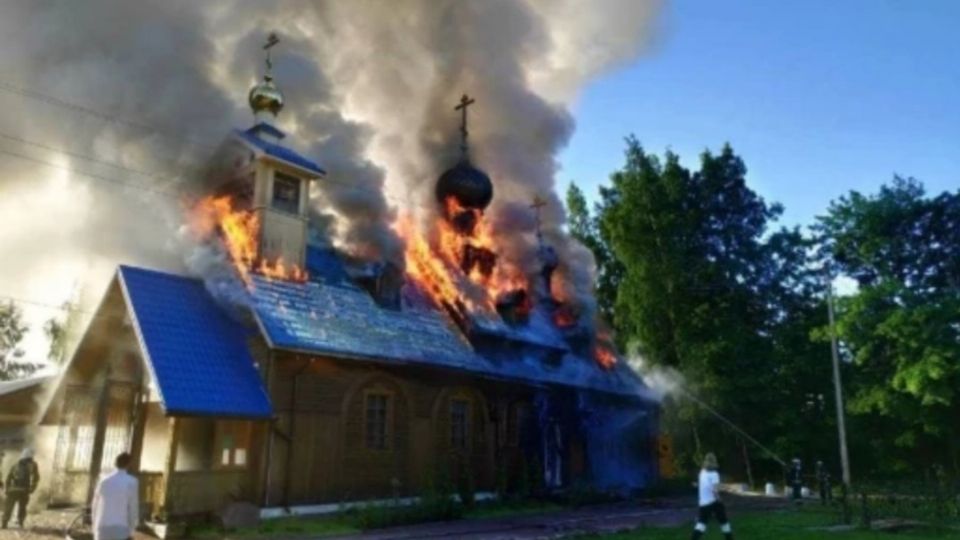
{"x":906,"y":503}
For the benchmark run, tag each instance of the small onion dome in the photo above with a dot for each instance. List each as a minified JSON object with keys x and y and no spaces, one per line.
{"x":265,"y":96}
{"x":470,"y":186}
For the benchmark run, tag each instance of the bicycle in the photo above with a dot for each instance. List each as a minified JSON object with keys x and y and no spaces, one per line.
{"x":80,"y":527}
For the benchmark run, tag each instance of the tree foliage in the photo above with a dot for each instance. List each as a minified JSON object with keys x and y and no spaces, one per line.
{"x":708,"y":289}
{"x":903,"y":324}
{"x":12,"y":332}
{"x":585,"y":228}
{"x":694,"y":278}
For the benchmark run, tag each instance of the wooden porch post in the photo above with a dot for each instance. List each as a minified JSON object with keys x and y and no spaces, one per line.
{"x":100,"y":432}
{"x":141,"y":410}
{"x":171,"y":464}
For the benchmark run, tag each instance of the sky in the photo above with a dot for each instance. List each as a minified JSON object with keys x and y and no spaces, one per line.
{"x":818,"y":97}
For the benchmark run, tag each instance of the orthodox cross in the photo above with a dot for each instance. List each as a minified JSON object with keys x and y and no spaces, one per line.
{"x":538,"y":204}
{"x":272,"y":40}
{"x":465,"y":102}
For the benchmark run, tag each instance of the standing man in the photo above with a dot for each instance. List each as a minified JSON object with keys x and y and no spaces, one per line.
{"x":22,"y":481}
{"x":823,"y":481}
{"x":116,"y":505}
{"x":796,"y":480}
{"x":710,"y":503}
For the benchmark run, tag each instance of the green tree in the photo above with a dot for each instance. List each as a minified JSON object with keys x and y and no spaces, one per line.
{"x":58,"y":331}
{"x":902,"y":326}
{"x":709,"y":289}
{"x":584,"y":227}
{"x":12,"y":331}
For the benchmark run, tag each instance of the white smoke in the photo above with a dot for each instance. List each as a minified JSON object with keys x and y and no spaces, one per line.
{"x":370,"y":88}
{"x":663,"y":381}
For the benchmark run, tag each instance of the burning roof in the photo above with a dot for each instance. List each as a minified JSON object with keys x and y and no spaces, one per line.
{"x":461,"y":302}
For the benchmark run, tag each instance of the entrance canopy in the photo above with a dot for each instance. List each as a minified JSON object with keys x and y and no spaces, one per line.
{"x":197,"y":355}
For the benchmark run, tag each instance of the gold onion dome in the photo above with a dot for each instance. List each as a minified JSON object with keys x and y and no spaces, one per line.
{"x":265,"y":96}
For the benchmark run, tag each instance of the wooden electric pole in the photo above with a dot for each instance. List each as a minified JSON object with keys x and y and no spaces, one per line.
{"x":838,"y":387}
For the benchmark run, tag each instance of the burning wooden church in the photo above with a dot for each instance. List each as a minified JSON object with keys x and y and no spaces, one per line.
{"x":321,"y":381}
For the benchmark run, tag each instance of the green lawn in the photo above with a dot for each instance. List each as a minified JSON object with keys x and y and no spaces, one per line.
{"x":777,"y":525}
{"x":292,"y":526}
{"x":363,"y":519}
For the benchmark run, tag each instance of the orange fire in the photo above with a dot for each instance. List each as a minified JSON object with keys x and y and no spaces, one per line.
{"x":239,"y":231}
{"x":605,"y":351}
{"x":433,"y":261}
{"x":435,"y":265}
{"x":564,"y":317}
{"x":604,"y":356}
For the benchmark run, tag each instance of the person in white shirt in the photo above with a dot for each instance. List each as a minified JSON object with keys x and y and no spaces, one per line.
{"x":710,"y":503}
{"x":116,"y":506}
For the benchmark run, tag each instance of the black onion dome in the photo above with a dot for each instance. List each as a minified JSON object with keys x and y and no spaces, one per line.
{"x":470,"y":186}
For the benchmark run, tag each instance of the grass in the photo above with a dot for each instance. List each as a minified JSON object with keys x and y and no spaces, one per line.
{"x":312,"y":527}
{"x":778,"y":525}
{"x":366,"y":518}
{"x":317,"y":527}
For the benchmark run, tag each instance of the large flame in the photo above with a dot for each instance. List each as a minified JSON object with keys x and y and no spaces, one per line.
{"x":239,"y":230}
{"x":433,"y":261}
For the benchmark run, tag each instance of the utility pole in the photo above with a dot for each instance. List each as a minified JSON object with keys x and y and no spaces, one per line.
{"x":838,"y":387}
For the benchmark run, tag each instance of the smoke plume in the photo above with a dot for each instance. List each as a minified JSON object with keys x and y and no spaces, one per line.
{"x":111,"y":108}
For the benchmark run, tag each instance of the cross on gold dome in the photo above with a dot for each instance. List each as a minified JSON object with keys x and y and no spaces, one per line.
{"x":272,"y":40}
{"x":465,"y":101}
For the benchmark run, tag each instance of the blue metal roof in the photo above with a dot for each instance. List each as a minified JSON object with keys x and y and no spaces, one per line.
{"x":266,"y":128}
{"x":330,"y":315}
{"x":197,"y":354}
{"x":278,"y":151}
{"x":343,"y":320}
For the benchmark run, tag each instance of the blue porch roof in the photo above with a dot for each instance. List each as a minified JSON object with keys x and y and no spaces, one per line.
{"x":197,"y":354}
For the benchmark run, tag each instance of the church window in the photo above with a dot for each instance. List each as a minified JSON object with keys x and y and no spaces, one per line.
{"x":286,"y":193}
{"x":460,"y":423}
{"x":376,"y":421}
{"x":233,"y":443}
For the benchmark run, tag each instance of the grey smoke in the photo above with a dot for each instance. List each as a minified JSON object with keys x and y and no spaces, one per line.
{"x":370,"y":88}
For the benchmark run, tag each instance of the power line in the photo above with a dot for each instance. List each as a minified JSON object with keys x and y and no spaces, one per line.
{"x":139,"y":185}
{"x":51,"y":100}
{"x":62,"y":307}
{"x":85,"y":157}
{"x":134,"y":185}
{"x":106,"y":117}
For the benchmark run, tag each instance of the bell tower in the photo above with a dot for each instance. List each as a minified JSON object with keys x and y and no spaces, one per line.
{"x":271,"y":179}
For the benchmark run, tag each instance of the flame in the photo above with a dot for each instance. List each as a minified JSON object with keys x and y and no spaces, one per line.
{"x":239,"y":231}
{"x":436,"y":265}
{"x":604,"y":356}
{"x":604,"y":351}
{"x":564,"y":317}
{"x":425,"y":267}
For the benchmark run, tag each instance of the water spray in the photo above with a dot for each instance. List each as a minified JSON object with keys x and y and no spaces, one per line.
{"x":730,"y":423}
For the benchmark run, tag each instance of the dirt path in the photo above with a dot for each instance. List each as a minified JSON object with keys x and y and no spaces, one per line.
{"x":594,"y":520}
{"x":603,"y":519}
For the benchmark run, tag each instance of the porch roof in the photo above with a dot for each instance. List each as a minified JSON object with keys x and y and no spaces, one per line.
{"x":198,"y":356}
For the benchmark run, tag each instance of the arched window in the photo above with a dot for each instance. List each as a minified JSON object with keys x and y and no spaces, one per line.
{"x":377,"y":418}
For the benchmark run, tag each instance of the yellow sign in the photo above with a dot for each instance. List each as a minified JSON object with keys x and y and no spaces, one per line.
{"x":665,"y":456}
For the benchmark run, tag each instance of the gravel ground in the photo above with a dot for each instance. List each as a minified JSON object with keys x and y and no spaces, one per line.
{"x":46,"y":525}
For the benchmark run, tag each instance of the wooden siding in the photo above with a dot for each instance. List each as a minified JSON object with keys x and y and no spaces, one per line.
{"x":329,"y":460}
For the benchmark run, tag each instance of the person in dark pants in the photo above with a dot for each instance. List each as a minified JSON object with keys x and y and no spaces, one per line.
{"x":796,"y":480}
{"x":823,"y":481}
{"x":22,"y":481}
{"x":709,"y":501}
